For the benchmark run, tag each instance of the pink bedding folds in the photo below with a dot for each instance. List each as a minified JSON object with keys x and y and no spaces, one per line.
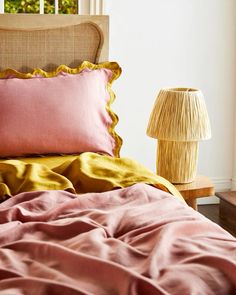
{"x":136,"y":240}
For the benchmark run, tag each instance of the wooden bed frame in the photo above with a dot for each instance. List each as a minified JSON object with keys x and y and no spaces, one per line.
{"x":46,"y":41}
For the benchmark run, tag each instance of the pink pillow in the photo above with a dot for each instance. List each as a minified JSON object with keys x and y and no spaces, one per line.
{"x":68,"y":112}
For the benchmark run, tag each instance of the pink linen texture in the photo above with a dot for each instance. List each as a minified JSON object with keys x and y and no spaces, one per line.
{"x":133,"y":241}
{"x":63,"y":114}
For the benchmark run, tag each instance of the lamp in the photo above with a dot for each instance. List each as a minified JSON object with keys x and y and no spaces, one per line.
{"x":179,"y":119}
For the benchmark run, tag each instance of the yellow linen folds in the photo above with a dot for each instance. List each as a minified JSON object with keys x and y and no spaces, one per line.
{"x":87,"y":172}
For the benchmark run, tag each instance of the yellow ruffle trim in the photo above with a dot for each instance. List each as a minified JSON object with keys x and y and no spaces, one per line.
{"x":113,"y":66}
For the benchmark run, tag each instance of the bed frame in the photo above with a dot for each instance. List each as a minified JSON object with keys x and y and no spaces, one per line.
{"x":46,"y":41}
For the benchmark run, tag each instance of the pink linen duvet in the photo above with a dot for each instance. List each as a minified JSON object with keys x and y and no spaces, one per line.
{"x":137,"y":240}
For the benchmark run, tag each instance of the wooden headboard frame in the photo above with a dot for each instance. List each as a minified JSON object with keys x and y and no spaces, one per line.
{"x":29,"y":41}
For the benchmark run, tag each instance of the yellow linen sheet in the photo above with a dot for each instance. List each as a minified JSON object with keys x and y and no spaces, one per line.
{"x":87,"y":172}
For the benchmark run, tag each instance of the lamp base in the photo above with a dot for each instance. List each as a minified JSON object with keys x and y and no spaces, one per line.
{"x":177,"y":160}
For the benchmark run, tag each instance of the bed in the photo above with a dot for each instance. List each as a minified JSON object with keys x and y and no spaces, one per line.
{"x":75,"y":217}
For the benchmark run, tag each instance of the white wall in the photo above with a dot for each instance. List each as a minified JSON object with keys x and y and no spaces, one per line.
{"x":174,"y":43}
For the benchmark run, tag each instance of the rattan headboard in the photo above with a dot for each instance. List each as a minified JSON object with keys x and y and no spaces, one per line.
{"x":46,"y":41}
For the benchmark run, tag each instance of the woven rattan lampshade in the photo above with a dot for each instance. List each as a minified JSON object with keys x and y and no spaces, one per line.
{"x":179,"y":120}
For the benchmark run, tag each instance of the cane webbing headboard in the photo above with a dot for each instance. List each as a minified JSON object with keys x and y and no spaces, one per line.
{"x":45,"y":41}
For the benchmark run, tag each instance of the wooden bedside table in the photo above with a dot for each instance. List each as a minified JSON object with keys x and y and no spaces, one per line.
{"x":199,"y":188}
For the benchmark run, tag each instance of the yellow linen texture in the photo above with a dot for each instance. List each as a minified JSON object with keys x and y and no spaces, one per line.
{"x":87,"y":172}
